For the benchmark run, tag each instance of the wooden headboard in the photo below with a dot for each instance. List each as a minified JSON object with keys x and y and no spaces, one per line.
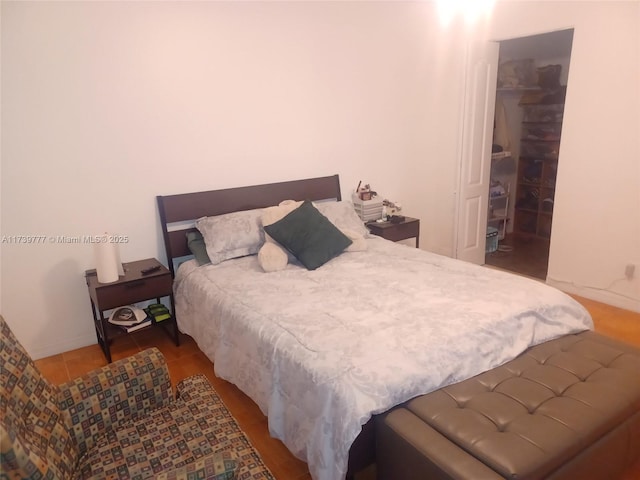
{"x":178,"y":212}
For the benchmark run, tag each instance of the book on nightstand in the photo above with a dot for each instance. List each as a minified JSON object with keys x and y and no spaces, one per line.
{"x":137,"y":326}
{"x":127,"y":316}
{"x":158,"y":312}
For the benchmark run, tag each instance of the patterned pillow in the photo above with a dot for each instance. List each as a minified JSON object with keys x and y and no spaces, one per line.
{"x":343,"y":215}
{"x":232,"y":235}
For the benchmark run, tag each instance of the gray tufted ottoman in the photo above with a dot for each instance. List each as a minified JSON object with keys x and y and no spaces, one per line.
{"x":566,"y":409}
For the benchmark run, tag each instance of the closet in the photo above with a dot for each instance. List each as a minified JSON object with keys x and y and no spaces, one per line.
{"x":537,"y":168}
{"x":530,"y":95}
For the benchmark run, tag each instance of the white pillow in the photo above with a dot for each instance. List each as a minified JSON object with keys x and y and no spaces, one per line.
{"x":232,"y":235}
{"x":343,"y":215}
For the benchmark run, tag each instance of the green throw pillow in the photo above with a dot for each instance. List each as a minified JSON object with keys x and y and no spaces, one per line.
{"x":309,"y":236}
{"x":195,"y":242}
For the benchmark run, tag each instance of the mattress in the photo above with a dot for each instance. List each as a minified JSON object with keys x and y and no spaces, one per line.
{"x":322,"y":351}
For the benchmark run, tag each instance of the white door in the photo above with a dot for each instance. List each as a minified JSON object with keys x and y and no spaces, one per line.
{"x":475,"y":161}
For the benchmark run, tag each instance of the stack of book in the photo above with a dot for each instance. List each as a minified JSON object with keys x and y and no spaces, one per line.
{"x":158,"y":312}
{"x":129,"y":318}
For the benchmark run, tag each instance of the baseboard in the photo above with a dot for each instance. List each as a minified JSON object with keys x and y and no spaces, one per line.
{"x":603,"y":296}
{"x":49,"y":349}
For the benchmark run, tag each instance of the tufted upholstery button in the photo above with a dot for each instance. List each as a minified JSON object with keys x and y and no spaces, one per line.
{"x":543,"y":409}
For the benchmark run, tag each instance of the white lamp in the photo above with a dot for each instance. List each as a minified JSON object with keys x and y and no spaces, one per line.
{"x":107,"y":258}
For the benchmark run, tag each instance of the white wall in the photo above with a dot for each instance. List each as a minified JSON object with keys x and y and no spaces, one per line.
{"x":596,"y":219}
{"x":107,"y":104}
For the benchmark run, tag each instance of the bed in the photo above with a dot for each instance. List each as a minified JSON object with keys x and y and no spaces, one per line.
{"x":322,"y":351}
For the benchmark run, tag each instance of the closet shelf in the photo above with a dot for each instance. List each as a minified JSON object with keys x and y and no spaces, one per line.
{"x":537,"y":169}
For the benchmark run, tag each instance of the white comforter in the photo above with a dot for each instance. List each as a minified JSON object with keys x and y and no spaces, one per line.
{"x":321,"y":351}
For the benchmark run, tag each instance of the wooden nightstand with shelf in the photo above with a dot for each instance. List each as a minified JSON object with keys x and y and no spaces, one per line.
{"x":408,"y":228}
{"x":129,"y":289}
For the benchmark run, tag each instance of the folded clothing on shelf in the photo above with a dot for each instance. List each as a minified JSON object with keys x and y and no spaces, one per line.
{"x":158,"y":312}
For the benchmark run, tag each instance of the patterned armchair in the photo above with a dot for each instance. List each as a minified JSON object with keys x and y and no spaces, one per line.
{"x":119,"y":422}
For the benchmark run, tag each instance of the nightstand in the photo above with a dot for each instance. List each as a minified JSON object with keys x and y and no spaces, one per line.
{"x":408,"y":228}
{"x":131,"y":288}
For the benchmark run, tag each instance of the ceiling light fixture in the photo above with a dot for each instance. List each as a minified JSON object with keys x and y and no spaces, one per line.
{"x":471,"y":10}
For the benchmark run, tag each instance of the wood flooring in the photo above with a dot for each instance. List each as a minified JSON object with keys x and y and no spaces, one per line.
{"x":187,"y":359}
{"x":527,"y":256}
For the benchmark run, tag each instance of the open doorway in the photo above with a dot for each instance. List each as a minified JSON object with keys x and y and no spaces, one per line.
{"x":531,"y":89}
